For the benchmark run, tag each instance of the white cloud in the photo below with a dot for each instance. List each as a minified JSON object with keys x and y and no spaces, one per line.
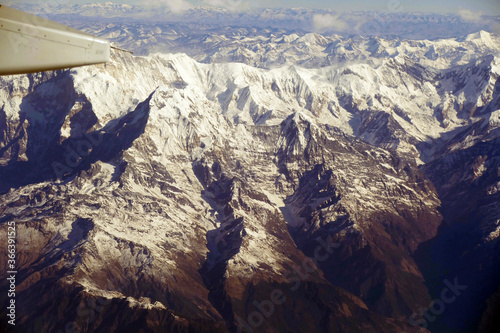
{"x":324,"y":22}
{"x":175,"y":6}
{"x":495,"y":26}
{"x":468,"y":15}
{"x":231,"y":5}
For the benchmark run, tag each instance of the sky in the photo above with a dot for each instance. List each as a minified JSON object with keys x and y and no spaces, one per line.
{"x":491,"y":7}
{"x":487,"y":6}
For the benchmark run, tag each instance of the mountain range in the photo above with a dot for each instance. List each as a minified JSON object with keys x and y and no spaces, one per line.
{"x":256,"y":179}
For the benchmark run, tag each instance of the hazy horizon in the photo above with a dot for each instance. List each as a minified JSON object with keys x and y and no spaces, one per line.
{"x":470,"y":8}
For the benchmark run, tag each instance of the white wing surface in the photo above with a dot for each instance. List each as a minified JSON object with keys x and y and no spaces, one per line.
{"x":30,"y":43}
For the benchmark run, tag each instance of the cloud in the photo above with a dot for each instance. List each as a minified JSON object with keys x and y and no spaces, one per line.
{"x":494,"y":25}
{"x":491,"y":24}
{"x":231,"y":5}
{"x":470,"y":16}
{"x":175,"y":6}
{"x":323,"y":22}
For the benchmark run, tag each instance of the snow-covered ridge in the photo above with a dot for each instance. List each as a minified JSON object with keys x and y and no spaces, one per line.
{"x":178,"y":191}
{"x":422,"y":103}
{"x":343,"y":96}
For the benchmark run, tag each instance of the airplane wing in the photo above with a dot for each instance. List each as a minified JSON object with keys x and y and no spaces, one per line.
{"x":30,"y":44}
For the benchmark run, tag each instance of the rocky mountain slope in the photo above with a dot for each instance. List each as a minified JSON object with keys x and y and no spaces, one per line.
{"x":173,"y":208}
{"x":166,"y":194}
